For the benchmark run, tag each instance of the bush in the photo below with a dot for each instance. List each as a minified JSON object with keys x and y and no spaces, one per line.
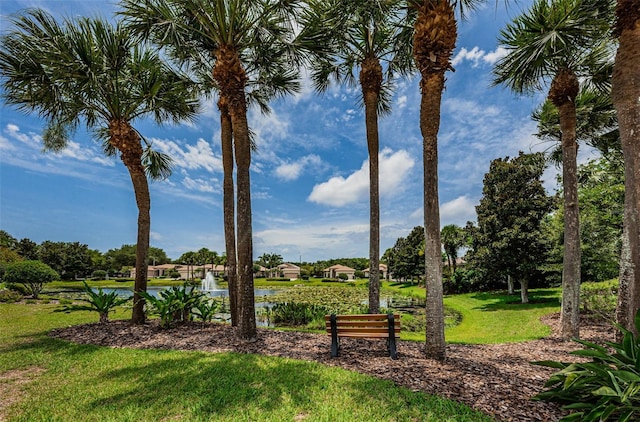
{"x":278,"y":279}
{"x":343,"y":277}
{"x":295,"y":314}
{"x":600,"y":298}
{"x":358,"y":274}
{"x":9,"y":296}
{"x":330,"y":280}
{"x":174,"y":304}
{"x":459,"y":282}
{"x":19,"y":288}
{"x":99,"y":275}
{"x":31,"y":274}
{"x":607,"y":388}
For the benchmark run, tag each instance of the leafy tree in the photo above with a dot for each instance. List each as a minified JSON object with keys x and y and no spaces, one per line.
{"x":125,"y":256}
{"x":625,"y":93}
{"x":226,"y":43}
{"x":7,"y":241}
{"x":508,"y":240}
{"x":452,"y":239}
{"x":555,"y":41}
{"x":27,"y":249}
{"x":88,"y":70}
{"x":362,"y":35}
{"x":69,"y":259}
{"x":32,"y":274}
{"x":406,"y":258}
{"x":601,"y":195}
{"x":7,"y":256}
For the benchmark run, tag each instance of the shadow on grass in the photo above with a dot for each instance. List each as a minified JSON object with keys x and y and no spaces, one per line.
{"x":538,"y":299}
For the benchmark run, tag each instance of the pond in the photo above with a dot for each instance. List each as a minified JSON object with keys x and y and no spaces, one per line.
{"x":155,"y":291}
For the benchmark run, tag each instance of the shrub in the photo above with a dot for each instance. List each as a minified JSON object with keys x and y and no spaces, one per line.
{"x":99,"y":302}
{"x":31,"y":274}
{"x":607,"y":388}
{"x":9,"y":296}
{"x":358,"y":274}
{"x":343,"y":277}
{"x":99,"y":275}
{"x":295,"y":314}
{"x":174,"y":304}
{"x":278,"y":279}
{"x":330,"y":280}
{"x":205,"y":309}
{"x":600,"y":298}
{"x":19,"y":288}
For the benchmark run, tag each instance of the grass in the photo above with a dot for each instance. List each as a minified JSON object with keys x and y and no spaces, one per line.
{"x":492,"y":317}
{"x":54,"y":380}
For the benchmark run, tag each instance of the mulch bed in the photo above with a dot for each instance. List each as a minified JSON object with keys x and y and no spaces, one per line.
{"x":496,"y":379}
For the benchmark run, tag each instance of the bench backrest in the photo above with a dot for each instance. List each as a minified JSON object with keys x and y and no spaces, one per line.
{"x":375,"y":325}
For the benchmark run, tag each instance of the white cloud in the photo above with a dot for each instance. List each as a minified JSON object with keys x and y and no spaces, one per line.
{"x":476,"y":55}
{"x":198,"y":156}
{"x":340,"y":191}
{"x":199,"y":185}
{"x":492,"y":57}
{"x":402,"y":102}
{"x":457,"y":211}
{"x":292,"y":171}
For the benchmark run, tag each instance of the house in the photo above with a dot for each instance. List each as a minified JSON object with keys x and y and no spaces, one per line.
{"x":334,"y":270}
{"x":187,"y":272}
{"x":382,"y":268}
{"x":289,"y":271}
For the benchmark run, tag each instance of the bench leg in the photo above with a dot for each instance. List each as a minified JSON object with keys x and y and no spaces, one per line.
{"x":335,"y":341}
{"x":391,"y":341}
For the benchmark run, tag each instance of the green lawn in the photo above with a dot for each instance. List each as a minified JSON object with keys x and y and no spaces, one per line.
{"x":53,"y":380}
{"x":493,"y":317}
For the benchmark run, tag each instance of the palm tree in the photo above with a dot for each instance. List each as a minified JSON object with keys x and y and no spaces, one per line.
{"x":361,"y":34}
{"x":434,"y":38}
{"x":625,"y":93}
{"x":87,"y":70}
{"x":555,"y":40}
{"x":230,"y":43}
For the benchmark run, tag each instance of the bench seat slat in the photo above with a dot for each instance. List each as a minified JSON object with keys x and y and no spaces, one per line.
{"x":367,"y":335}
{"x":340,"y":324}
{"x":370,"y":317}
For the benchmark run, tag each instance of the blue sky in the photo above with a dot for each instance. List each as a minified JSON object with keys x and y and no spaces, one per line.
{"x":309,"y":174}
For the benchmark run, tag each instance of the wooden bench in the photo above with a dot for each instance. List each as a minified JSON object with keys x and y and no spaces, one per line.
{"x":383,"y":326}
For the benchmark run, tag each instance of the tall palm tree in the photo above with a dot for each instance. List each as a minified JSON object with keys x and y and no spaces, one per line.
{"x":87,"y":70}
{"x":557,"y":40}
{"x":625,"y":93}
{"x":434,"y":38}
{"x":234,"y":42}
{"x":361,"y":34}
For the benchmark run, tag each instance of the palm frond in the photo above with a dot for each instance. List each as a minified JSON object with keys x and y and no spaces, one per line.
{"x":157,"y":165}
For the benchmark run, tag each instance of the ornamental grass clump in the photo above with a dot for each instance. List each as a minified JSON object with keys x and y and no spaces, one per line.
{"x":99,"y":302}
{"x":607,"y":388}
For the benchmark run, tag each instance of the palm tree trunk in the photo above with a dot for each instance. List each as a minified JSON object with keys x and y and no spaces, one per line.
{"x":127,"y":141}
{"x":625,"y":93}
{"x":432,"y":86}
{"x":231,"y":77}
{"x":371,"y":81}
{"x":563,"y":92}
{"x":570,"y":319}
{"x":226,"y":132}
{"x":247,"y":321}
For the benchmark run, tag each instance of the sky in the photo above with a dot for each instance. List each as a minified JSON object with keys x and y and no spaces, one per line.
{"x":309,"y":175}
